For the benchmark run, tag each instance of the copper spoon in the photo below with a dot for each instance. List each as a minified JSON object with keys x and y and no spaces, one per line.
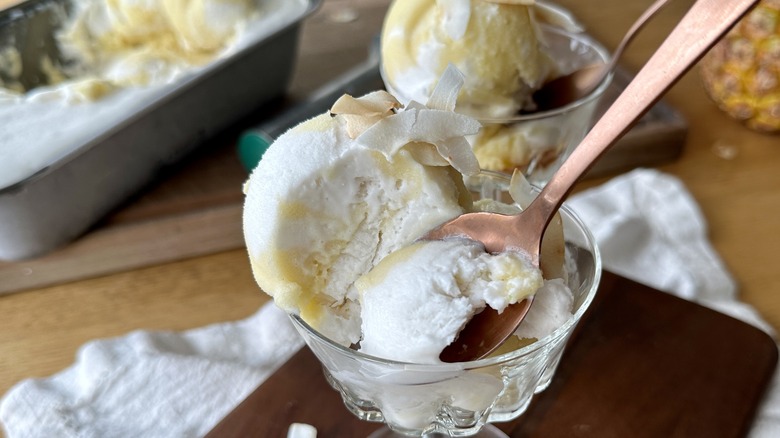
{"x":572,"y":87}
{"x":699,"y":29}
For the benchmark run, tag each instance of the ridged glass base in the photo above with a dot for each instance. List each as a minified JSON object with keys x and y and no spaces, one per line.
{"x":488,"y":431}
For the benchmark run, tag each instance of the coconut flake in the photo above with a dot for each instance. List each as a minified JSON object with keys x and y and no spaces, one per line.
{"x":445,"y":94}
{"x":520,"y":189}
{"x":416,"y":125}
{"x":426,"y":154}
{"x":457,"y":151}
{"x":413,"y":104}
{"x":363,"y":112}
{"x":425,"y":130}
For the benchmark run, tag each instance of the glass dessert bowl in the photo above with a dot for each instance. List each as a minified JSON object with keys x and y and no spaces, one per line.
{"x":460,"y":399}
{"x":538,"y":142}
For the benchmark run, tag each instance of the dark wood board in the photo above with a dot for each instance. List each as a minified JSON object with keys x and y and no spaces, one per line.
{"x":642,"y":363}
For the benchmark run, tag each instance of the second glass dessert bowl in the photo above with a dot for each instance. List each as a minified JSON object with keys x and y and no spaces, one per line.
{"x":538,"y":142}
{"x":459,"y":399}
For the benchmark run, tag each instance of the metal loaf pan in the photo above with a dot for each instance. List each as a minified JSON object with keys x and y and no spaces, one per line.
{"x":62,"y":200}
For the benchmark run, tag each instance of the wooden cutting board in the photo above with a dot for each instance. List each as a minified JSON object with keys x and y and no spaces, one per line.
{"x":642,"y":363}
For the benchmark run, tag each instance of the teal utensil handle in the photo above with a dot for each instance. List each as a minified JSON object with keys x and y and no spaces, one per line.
{"x":359,"y":80}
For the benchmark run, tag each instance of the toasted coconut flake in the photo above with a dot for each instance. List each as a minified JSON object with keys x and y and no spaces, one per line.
{"x":363,"y":112}
{"x":426,"y":154}
{"x":412,"y":125}
{"x":425,"y":130}
{"x":457,"y":151}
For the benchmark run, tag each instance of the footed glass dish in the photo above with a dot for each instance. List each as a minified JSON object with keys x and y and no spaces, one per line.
{"x":460,"y":399}
{"x":538,"y":142}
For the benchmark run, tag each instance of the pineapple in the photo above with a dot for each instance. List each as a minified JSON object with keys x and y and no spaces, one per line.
{"x":742,"y":72}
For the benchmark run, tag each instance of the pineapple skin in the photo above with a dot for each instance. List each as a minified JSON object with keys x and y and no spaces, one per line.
{"x":741,"y":73}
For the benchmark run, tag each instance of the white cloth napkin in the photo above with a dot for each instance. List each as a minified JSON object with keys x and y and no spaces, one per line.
{"x":153,"y":384}
{"x":168,"y":384}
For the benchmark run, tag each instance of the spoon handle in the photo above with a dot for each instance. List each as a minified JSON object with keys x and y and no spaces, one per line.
{"x":699,"y":29}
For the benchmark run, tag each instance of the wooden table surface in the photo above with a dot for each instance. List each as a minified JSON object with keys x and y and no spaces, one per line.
{"x":732,"y":172}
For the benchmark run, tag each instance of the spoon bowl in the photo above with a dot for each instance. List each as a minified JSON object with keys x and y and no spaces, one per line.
{"x":572,"y":87}
{"x":699,"y":29}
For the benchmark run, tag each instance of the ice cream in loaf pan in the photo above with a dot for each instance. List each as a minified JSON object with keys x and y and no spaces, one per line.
{"x":56,"y":182}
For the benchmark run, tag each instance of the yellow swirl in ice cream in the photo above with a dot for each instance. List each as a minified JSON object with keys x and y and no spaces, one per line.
{"x":138,"y":42}
{"x":165,"y":29}
{"x":108,"y":45}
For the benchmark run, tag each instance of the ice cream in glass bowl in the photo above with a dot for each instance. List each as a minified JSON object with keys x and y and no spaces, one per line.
{"x":333,"y":235}
{"x":461,"y":399}
{"x":506,"y":51}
